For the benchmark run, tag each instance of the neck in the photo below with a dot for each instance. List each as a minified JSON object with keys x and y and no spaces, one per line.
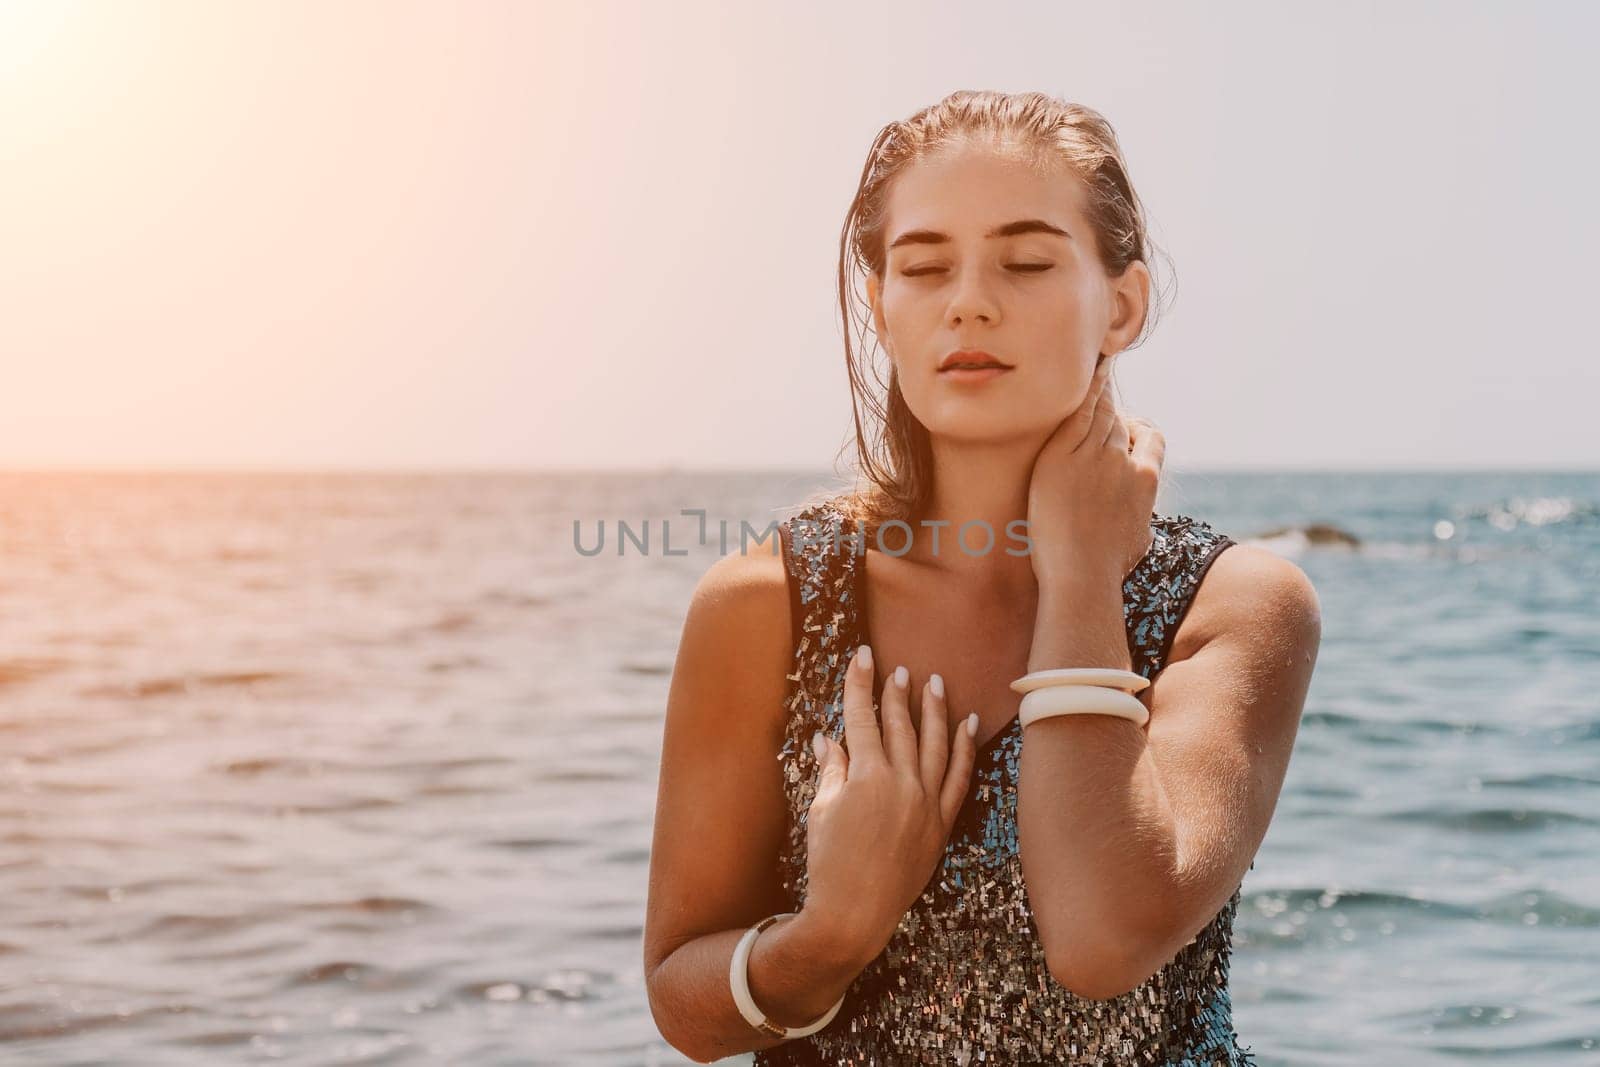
{"x":985,"y":484}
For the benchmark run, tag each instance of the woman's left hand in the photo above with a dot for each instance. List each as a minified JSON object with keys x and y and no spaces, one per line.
{"x":1093,"y":488}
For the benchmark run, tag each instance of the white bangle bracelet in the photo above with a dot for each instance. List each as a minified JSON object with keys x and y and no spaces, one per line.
{"x":1107,"y":676}
{"x":1081,"y":700}
{"x":739,"y":981}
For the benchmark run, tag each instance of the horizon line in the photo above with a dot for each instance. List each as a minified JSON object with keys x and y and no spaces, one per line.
{"x":677,"y":468}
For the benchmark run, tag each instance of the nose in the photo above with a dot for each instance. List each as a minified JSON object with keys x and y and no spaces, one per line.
{"x":971,"y":300}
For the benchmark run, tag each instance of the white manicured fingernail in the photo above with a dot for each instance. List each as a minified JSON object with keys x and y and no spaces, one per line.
{"x":936,"y":684}
{"x":901,"y":677}
{"x":864,"y":657}
{"x":972,"y":725}
{"x":818,"y":745}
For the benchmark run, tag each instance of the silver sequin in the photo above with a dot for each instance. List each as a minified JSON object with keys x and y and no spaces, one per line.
{"x":963,"y":978}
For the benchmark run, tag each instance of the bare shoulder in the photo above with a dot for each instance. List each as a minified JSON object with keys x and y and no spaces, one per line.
{"x":1249,"y":590}
{"x":731,"y":674}
{"x":744,"y":597}
{"x":738,"y":618}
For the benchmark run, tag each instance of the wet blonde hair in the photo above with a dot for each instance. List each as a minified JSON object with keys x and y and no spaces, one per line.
{"x":892,"y":447}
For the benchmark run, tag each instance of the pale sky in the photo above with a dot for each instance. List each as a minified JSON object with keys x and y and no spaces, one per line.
{"x":601,"y":234}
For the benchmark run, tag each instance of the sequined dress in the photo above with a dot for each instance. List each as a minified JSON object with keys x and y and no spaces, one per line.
{"x":963,"y":978}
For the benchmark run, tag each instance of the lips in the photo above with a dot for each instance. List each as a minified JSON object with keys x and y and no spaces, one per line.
{"x":971,"y":359}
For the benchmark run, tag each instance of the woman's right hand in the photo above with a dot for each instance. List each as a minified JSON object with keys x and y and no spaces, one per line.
{"x":882,"y":814}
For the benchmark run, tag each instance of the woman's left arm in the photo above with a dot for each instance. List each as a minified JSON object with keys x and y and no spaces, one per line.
{"x":1133,"y":838}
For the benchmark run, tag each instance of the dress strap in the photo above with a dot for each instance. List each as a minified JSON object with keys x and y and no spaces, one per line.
{"x":794,"y":578}
{"x":1158,"y":592}
{"x":1204,"y":553}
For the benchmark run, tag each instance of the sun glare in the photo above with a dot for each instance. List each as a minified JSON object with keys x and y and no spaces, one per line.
{"x":31,"y":31}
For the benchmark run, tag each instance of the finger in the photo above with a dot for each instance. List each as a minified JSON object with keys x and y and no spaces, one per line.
{"x":1100,"y":384}
{"x":860,"y":725}
{"x":958,"y":776}
{"x":835,"y":766}
{"x":1100,"y":427}
{"x":1102,"y":380}
{"x":1079,"y":426}
{"x":1118,"y":437}
{"x":1148,"y":445}
{"x":1134,"y":425}
{"x":899,"y":736}
{"x":935,"y":736}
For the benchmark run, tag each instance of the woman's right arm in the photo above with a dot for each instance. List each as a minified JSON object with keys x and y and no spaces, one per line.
{"x":721,"y":824}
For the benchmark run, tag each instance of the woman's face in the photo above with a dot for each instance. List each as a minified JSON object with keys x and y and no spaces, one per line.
{"x":1037,"y":300}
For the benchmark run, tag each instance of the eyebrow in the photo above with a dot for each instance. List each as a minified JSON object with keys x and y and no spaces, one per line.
{"x":1010,"y":229}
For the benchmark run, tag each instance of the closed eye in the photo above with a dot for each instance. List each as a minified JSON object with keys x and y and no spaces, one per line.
{"x":1023,"y":268}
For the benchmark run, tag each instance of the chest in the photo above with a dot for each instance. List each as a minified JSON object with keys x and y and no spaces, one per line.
{"x":978,"y":642}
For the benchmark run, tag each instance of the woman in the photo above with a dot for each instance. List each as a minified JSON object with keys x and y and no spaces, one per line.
{"x":943,"y":892}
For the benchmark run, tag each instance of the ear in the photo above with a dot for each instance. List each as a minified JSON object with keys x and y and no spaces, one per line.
{"x":874,"y":295}
{"x":1130,"y":303}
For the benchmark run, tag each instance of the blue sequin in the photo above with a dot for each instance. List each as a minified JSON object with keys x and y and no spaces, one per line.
{"x":963,"y":979}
